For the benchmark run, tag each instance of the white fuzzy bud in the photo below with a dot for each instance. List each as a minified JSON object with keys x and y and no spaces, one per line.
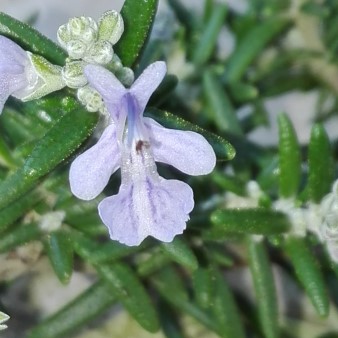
{"x":76,"y":49}
{"x":63,"y":36}
{"x":90,"y":98}
{"x":111,"y":27}
{"x":100,"y":52}
{"x":73,"y":75}
{"x":77,"y":36}
{"x":82,"y":27}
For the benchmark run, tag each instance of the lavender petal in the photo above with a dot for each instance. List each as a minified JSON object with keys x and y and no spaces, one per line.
{"x":108,"y":86}
{"x":13,"y":60}
{"x":159,"y":209}
{"x":90,"y":172}
{"x":187,"y":151}
{"x":147,"y":82}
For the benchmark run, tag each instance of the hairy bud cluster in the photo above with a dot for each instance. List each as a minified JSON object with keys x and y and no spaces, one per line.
{"x":91,"y":42}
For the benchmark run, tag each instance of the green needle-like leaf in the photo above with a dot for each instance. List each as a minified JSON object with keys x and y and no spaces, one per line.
{"x":220,"y":104}
{"x":17,"y":209}
{"x":207,"y":42}
{"x":58,"y":143}
{"x":203,"y":287}
{"x":19,"y":236}
{"x":308,"y":273}
{"x":6,"y":156}
{"x":251,"y":45}
{"x":225,"y":310}
{"x":185,"y":16}
{"x":180,"y":252}
{"x":223,"y":149}
{"x":246,"y":221}
{"x":170,"y":286}
{"x":169,"y":322}
{"x":260,"y":267}
{"x":60,"y":252}
{"x":30,"y":39}
{"x":128,"y":289}
{"x":138,"y":19}
{"x":112,"y":251}
{"x":289,"y":158}
{"x":80,"y":311}
{"x":125,"y":285}
{"x":321,"y":166}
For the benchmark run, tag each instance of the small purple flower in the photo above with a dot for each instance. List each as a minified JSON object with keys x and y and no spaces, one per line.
{"x":146,"y":204}
{"x":16,"y":71}
{"x":25,"y":75}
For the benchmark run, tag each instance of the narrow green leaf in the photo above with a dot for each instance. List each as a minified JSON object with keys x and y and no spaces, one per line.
{"x":17,"y":209}
{"x":203,"y":284}
{"x":219,"y":255}
{"x":30,"y":39}
{"x":247,"y":221}
{"x":223,"y":149}
{"x":19,"y":128}
{"x":184,"y":16}
{"x":207,"y":42}
{"x":125,"y":285}
{"x":96,"y":253}
{"x":113,"y":251}
{"x":321,"y":166}
{"x":19,"y":236}
{"x":229,"y":183}
{"x":60,"y":253}
{"x":180,"y":252}
{"x":225,"y":310}
{"x":80,"y":311}
{"x":57,"y":144}
{"x":260,"y":268}
{"x":220,"y":104}
{"x":6,"y":156}
{"x":251,"y":45}
{"x":308,"y":273}
{"x":169,"y":284}
{"x":243,"y":92}
{"x":289,"y":158}
{"x":138,"y":19}
{"x":128,"y":289}
{"x":169,"y":322}
{"x":154,"y":263}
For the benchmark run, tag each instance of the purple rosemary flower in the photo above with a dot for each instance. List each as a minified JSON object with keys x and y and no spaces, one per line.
{"x":146,"y":204}
{"x":24,"y":75}
{"x":15,"y":70}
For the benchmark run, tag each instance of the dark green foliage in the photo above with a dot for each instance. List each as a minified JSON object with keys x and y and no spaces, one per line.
{"x":308,"y":272}
{"x":235,"y":235}
{"x":320,"y":164}
{"x":138,"y":19}
{"x":289,"y":158}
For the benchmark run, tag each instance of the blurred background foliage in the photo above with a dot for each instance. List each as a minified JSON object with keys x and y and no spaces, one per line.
{"x":246,"y":266}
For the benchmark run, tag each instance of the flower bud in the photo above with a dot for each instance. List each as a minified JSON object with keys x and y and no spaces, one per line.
{"x":73,"y":75}
{"x":126,"y":76}
{"x":76,"y":49}
{"x":43,"y":78}
{"x":101,"y":52}
{"x":90,"y":98}
{"x":63,"y":36}
{"x":111,"y":27}
{"x":79,"y":26}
